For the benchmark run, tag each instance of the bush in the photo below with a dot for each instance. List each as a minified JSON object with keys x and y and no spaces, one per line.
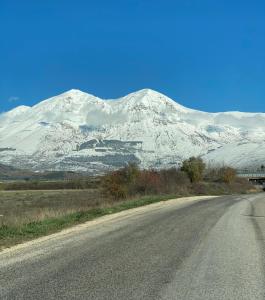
{"x":174,"y":180}
{"x":227,"y":175}
{"x":194,"y":167}
{"x":119,"y":184}
{"x":130,"y":181}
{"x":148,"y":182}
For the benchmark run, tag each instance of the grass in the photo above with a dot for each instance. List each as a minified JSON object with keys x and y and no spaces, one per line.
{"x":30,"y":214}
{"x":19,"y":207}
{"x":74,"y":183}
{"x":13,"y":234}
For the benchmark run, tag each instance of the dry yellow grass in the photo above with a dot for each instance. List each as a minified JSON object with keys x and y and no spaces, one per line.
{"x":21,"y":207}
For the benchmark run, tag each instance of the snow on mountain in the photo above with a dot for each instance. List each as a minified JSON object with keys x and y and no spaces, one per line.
{"x":78,"y":131}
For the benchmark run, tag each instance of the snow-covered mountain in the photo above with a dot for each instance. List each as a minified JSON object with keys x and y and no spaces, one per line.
{"x":80,"y":132}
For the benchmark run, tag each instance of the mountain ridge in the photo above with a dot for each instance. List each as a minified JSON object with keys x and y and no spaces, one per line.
{"x":79,"y":131}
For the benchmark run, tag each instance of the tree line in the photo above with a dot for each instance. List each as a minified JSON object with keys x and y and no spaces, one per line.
{"x":193,"y":177}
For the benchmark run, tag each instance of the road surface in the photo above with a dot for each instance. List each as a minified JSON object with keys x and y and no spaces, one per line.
{"x":193,"y":249}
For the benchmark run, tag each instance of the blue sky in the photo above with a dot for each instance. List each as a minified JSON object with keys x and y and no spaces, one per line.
{"x":205,"y":54}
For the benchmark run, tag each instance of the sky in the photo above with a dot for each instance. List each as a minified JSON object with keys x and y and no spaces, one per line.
{"x":204,"y":54}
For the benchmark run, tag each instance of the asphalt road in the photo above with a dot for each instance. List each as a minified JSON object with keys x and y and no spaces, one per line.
{"x":206,"y":249}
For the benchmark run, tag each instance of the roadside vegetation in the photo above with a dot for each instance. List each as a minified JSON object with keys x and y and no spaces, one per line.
{"x":47,"y":223}
{"x":193,"y":178}
{"x":29,"y":209}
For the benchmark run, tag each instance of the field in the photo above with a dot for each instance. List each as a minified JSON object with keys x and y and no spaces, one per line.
{"x":30,"y":209}
{"x":30,"y":214}
{"x":19,"y":207}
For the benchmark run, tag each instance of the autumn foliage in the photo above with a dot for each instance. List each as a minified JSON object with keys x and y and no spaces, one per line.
{"x":192,"y":178}
{"x":130,"y":181}
{"x":227,"y":174}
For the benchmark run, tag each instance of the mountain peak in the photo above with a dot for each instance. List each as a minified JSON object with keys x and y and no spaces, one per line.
{"x":75,"y":92}
{"x":71,"y":97}
{"x":18,"y":110}
{"x":152,"y":98}
{"x":147,"y":91}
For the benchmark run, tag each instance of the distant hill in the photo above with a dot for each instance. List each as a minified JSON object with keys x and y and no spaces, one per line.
{"x":11,"y":173}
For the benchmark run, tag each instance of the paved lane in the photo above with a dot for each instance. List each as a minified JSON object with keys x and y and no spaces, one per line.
{"x":206,"y":249}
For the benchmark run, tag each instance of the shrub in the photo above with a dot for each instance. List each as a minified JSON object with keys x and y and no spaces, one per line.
{"x":227,"y":175}
{"x":119,"y":184}
{"x":194,"y":167}
{"x":131,"y":181}
{"x":148,"y":182}
{"x":174,"y":180}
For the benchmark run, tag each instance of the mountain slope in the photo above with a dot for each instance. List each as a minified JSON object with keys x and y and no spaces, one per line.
{"x":78,"y":131}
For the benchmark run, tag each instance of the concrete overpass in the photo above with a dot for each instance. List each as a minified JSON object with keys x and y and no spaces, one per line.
{"x":256,"y":177}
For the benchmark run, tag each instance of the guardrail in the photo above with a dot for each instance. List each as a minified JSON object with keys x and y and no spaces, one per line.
{"x":252,"y":175}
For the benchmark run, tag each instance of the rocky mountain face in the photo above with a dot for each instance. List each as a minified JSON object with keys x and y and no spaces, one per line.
{"x":80,"y":132}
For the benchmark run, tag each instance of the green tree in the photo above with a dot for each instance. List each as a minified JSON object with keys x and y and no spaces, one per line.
{"x":194,"y":167}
